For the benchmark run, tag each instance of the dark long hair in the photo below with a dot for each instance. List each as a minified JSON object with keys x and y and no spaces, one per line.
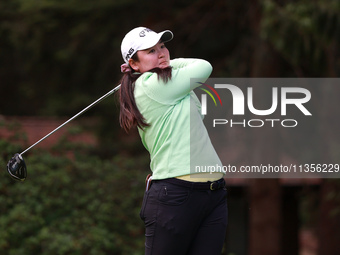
{"x":130,"y":116}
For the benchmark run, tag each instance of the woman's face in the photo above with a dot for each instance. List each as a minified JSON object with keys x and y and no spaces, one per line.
{"x":156,"y":56}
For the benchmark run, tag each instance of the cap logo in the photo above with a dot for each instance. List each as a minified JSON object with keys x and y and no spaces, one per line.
{"x":142,"y":33}
{"x":129,"y":54}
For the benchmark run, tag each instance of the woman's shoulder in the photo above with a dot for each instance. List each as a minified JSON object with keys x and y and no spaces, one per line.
{"x":178,"y":63}
{"x":147,"y":78}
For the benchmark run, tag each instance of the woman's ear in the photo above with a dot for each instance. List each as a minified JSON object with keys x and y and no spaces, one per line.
{"x":133,"y":65}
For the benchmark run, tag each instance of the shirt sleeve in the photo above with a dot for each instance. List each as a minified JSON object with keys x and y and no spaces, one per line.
{"x":179,"y":86}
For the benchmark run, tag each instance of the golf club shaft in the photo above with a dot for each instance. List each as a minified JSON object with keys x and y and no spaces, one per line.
{"x":75,"y":116}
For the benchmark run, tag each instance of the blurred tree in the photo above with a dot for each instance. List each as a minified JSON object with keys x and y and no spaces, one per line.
{"x":306,"y":35}
{"x":57,"y":55}
{"x":265,"y":219}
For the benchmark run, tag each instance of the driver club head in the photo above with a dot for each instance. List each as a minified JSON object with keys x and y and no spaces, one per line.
{"x":16,"y":167}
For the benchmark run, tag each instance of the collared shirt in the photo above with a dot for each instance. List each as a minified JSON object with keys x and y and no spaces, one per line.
{"x":176,"y":139}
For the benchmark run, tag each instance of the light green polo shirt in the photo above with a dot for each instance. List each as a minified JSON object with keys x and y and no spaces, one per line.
{"x":177,"y":139}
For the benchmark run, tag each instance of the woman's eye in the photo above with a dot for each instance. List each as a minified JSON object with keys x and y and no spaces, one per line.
{"x":152,"y":51}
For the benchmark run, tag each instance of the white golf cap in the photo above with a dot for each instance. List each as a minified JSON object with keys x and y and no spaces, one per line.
{"x":142,"y":38}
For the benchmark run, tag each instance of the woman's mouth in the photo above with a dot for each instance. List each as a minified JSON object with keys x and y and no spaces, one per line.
{"x":163,"y":63}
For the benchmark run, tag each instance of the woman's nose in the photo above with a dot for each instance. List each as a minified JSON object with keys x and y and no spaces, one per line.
{"x":161,"y":54}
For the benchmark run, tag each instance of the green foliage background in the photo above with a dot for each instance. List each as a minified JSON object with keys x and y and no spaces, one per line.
{"x":57,"y":56}
{"x":87,"y":205}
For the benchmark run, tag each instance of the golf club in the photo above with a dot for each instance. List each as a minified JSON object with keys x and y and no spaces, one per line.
{"x":16,"y":166}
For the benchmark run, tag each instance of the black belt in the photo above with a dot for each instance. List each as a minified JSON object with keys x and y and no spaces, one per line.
{"x":215,"y":185}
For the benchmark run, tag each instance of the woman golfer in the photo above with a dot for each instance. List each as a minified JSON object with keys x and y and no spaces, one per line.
{"x":184,"y":211}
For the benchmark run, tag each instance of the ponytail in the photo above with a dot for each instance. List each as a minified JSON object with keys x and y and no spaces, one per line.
{"x":129,"y":113}
{"x":130,"y":116}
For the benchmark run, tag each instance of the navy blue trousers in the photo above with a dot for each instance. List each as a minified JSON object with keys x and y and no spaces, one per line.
{"x":182,"y":220}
